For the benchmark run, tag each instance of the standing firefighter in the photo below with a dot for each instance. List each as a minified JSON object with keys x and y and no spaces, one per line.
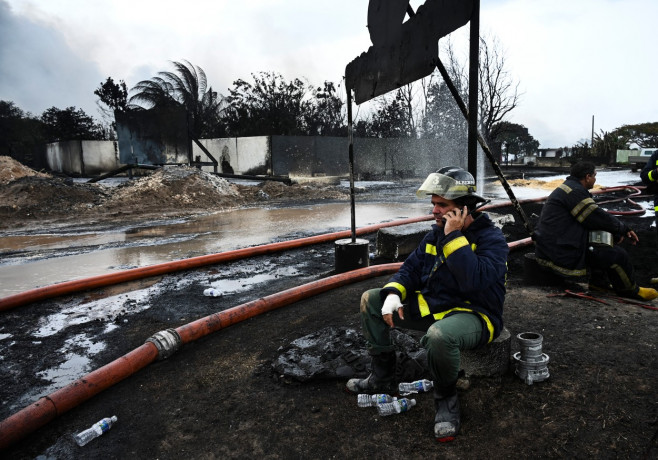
{"x":452,"y":287}
{"x":649,"y":176}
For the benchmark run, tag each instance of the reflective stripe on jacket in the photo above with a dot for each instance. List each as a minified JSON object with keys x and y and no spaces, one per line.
{"x":562,"y":230}
{"x":458,"y":272}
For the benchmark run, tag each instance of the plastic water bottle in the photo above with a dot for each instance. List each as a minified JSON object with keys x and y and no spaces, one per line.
{"x":364,"y":400}
{"x":212,"y":292}
{"x":95,"y":431}
{"x":396,"y":407}
{"x":419,"y":386}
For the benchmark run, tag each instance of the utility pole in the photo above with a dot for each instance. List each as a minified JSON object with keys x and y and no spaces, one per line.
{"x":473,"y":61}
{"x":591,"y":145}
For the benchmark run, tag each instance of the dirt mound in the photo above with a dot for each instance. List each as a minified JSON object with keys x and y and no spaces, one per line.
{"x":168,"y":192}
{"x":43,"y":197}
{"x":10,"y":170}
{"x":280,"y":192}
{"x":176,"y":187}
{"x":165,"y":192}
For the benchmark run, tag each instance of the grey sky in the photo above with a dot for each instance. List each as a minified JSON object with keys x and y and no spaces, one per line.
{"x":573,"y":59}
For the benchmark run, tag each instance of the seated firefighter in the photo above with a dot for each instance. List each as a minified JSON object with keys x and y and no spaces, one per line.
{"x":452,"y":287}
{"x":562,"y":238}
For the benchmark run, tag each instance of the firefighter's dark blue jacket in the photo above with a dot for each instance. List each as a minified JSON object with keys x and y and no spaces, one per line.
{"x":650,"y":178}
{"x":457,"y":272}
{"x":561,"y":234}
{"x":648,"y":173}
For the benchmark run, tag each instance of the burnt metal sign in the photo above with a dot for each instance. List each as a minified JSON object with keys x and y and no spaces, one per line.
{"x":403,"y":52}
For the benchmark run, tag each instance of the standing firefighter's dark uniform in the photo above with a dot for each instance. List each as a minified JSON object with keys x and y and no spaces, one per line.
{"x":561,"y":238}
{"x":649,"y":176}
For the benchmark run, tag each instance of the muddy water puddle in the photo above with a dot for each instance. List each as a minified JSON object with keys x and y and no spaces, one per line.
{"x":31,"y":261}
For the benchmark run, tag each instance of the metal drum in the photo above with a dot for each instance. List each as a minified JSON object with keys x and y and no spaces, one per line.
{"x":600,"y":237}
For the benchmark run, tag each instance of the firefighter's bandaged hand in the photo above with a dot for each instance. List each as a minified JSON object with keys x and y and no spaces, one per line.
{"x":391,"y":304}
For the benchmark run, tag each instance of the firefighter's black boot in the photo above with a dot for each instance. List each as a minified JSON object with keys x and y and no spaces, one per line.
{"x":381,"y":378}
{"x":447,"y":419}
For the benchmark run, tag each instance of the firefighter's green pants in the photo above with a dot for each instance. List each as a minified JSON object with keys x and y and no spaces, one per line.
{"x":444,"y":339}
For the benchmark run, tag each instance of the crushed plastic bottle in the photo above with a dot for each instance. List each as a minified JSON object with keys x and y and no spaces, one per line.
{"x":212,"y":292}
{"x":419,"y":386}
{"x":396,"y":407}
{"x":365,"y":400}
{"x":95,"y":431}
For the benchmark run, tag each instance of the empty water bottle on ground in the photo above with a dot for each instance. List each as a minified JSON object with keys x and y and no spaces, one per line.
{"x":364,"y":400}
{"x":212,"y":292}
{"x":95,"y":431}
{"x":396,"y":407}
{"x":419,"y":386}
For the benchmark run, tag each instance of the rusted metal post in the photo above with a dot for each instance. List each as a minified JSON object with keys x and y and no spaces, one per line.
{"x":473,"y":77}
{"x":350,"y":139}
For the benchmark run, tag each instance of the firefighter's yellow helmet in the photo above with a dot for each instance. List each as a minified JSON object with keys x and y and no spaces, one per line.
{"x":450,"y":182}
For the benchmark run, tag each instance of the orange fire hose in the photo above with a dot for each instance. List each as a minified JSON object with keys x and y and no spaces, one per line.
{"x":47,"y":408}
{"x":41,"y":412}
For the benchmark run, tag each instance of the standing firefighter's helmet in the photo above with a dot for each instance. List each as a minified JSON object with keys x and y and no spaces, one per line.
{"x":452,"y":183}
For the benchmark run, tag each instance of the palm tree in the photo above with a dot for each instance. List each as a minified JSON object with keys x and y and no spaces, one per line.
{"x":188,"y":87}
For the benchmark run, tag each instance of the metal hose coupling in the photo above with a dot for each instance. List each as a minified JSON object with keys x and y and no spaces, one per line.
{"x":531,"y":363}
{"x":167,"y":342}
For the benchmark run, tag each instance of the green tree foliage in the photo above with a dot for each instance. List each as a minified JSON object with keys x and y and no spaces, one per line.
{"x":273,"y":106}
{"x":512,"y":139}
{"x":391,"y":118}
{"x":644,"y":135}
{"x":21,"y":135}
{"x":325,"y":116}
{"x":363,"y":128}
{"x":70,"y":124}
{"x":186,"y":86}
{"x":9,"y":110}
{"x":581,"y":151}
{"x":268,"y":106}
{"x":443,"y":119}
{"x":606,"y":144}
{"x":113,"y":95}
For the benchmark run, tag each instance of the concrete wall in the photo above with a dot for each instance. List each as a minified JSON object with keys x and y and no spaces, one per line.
{"x":551,"y":162}
{"x":296,"y":156}
{"x":254,"y":155}
{"x":65,"y":157}
{"x":221,"y":150}
{"x":83,"y":158}
{"x":241,"y":155}
{"x":318,"y":156}
{"x":99,"y":157}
